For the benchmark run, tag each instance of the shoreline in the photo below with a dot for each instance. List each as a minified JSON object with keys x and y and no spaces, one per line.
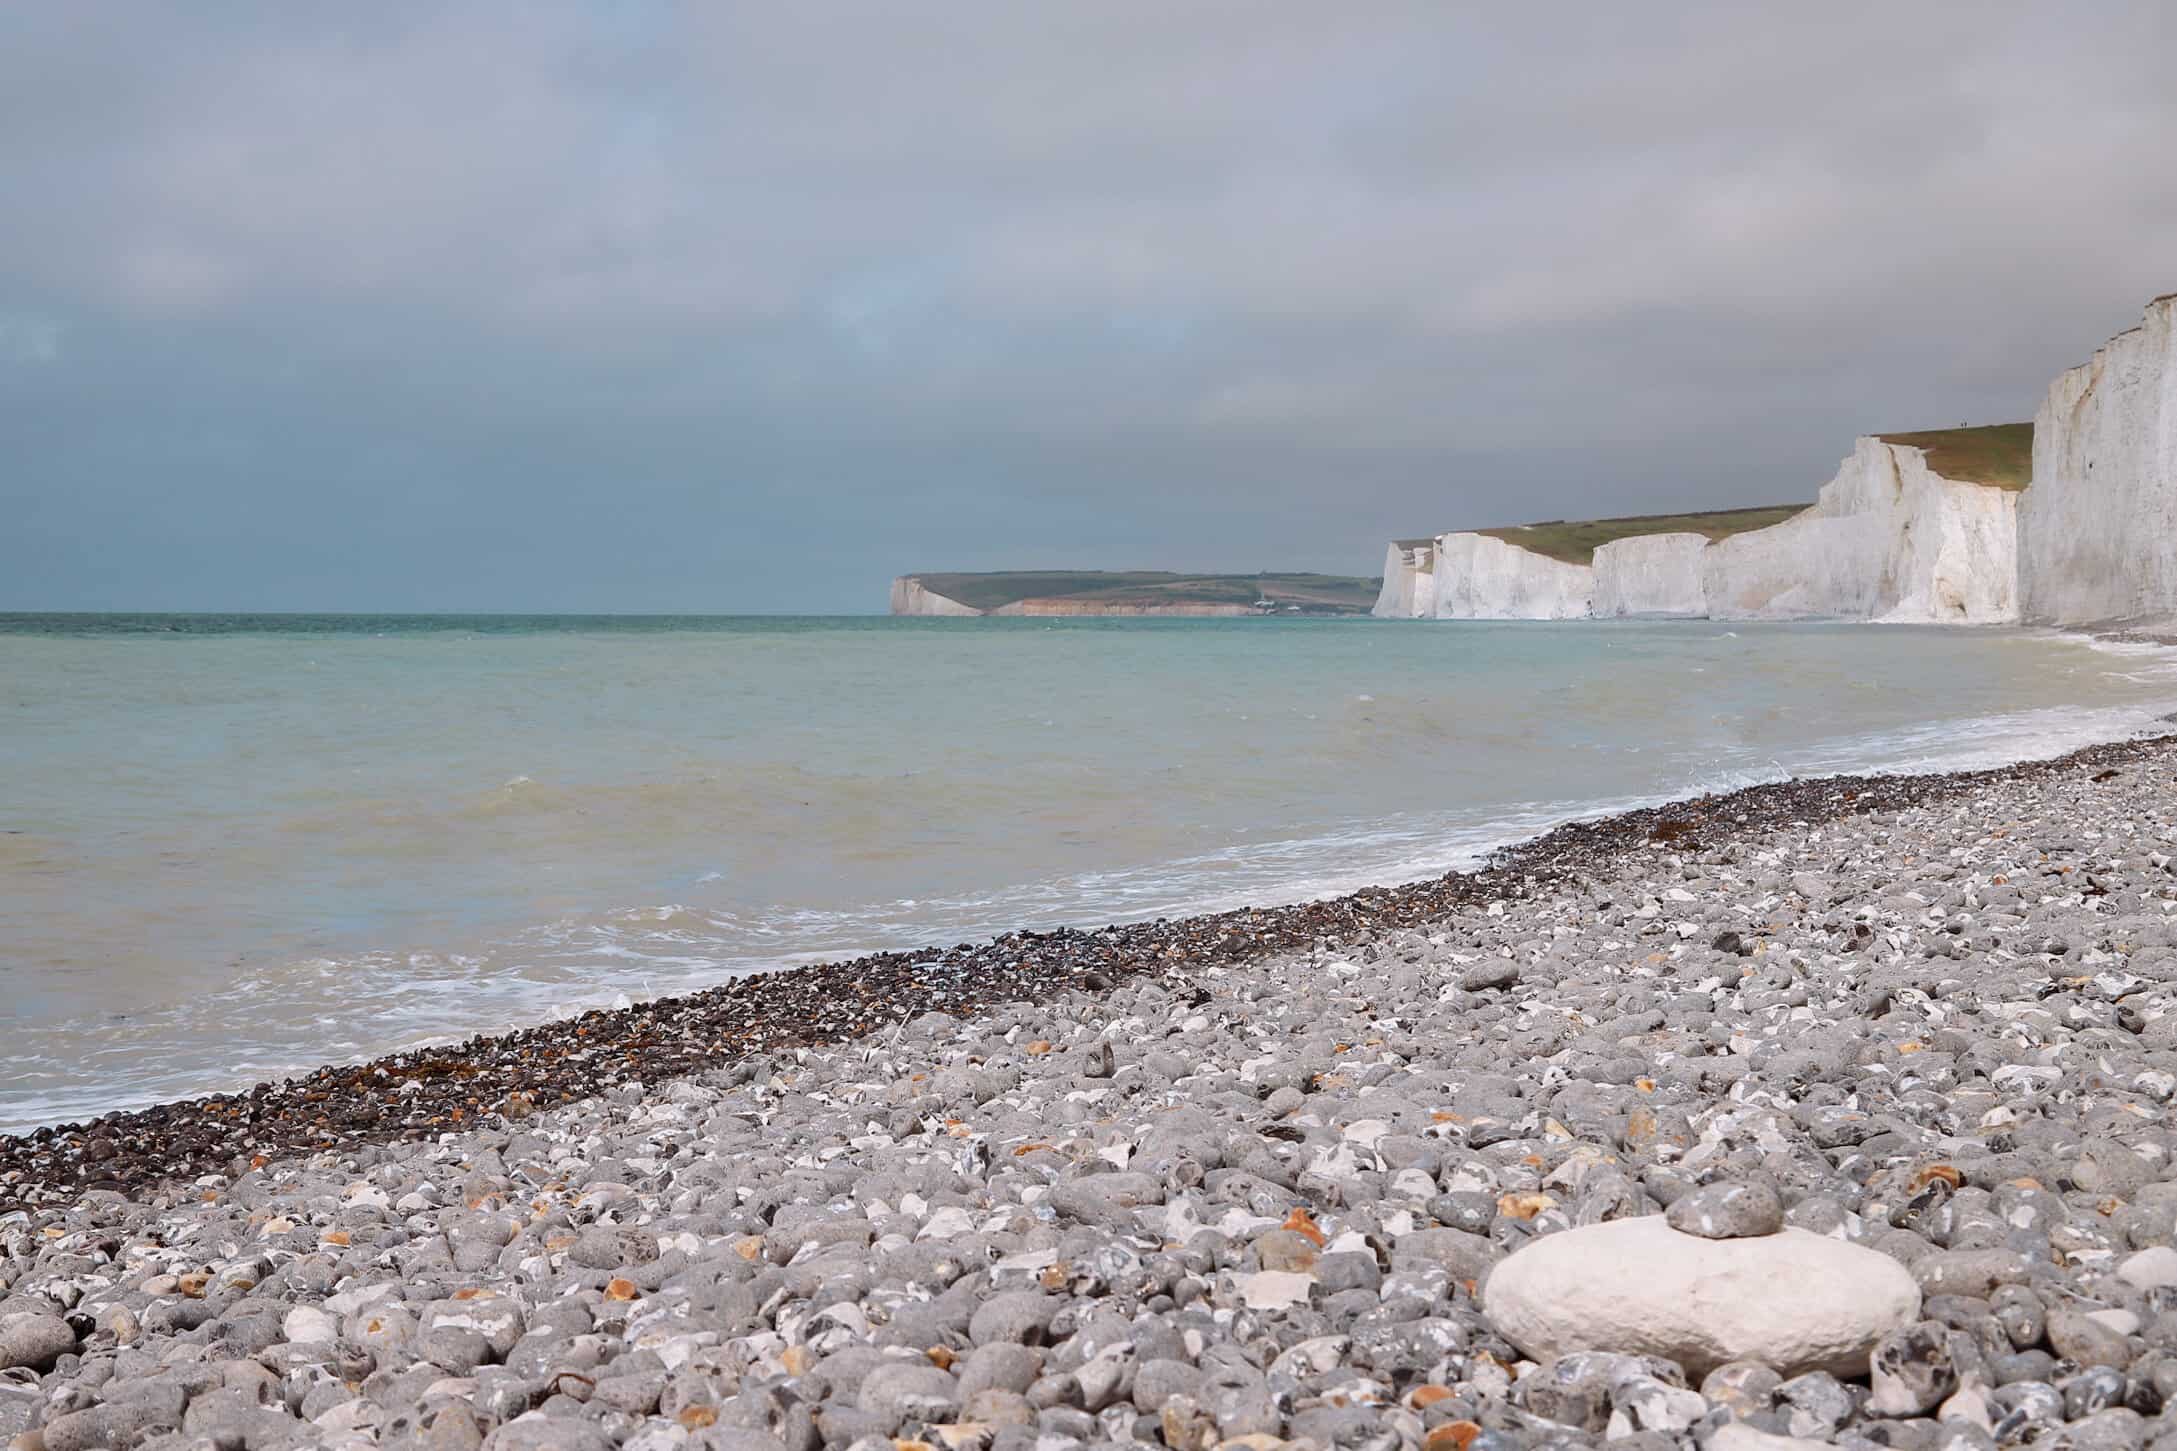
{"x":1824,"y":1112}
{"x":423,"y":1093}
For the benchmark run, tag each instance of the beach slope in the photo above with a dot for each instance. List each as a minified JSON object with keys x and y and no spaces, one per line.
{"x":1246,"y":1176}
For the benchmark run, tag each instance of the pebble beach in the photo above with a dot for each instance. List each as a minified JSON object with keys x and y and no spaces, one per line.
{"x":1825,"y":1112}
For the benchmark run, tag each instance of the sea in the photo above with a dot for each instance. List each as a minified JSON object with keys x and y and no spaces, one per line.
{"x":235,"y":847}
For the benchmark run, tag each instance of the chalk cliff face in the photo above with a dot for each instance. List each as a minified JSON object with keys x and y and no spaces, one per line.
{"x":1954,"y":556}
{"x":1409,"y":581}
{"x":1887,"y":539}
{"x":1483,"y":578}
{"x":1815,"y":565}
{"x":909,"y":597}
{"x":1650,"y":574}
{"x":2098,"y":528}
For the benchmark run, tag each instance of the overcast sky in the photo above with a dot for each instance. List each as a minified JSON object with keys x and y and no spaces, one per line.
{"x":718,"y":307}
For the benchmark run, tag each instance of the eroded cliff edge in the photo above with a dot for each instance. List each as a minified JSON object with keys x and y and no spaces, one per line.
{"x":1482,"y":577}
{"x":2098,"y":528}
{"x":1887,"y":539}
{"x":911,"y":597}
{"x":1890,"y":537}
{"x":1409,"y":581}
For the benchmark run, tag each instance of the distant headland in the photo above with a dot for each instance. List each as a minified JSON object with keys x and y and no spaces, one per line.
{"x":1133,"y":592}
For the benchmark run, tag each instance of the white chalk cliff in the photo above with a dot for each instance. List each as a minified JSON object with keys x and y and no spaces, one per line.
{"x":1479,"y":577}
{"x":2092,"y":540}
{"x":1650,"y":574}
{"x":911,"y":597}
{"x":1887,"y":539}
{"x":2098,"y":528}
{"x":1409,"y":581}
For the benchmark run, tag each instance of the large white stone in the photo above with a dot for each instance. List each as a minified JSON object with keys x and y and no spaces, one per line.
{"x":1794,"y":1301}
{"x":1274,"y":1289}
{"x":1887,"y":539}
{"x":1738,"y":1436}
{"x":1650,"y":574}
{"x":2098,"y":528}
{"x":1480,"y":577}
{"x":306,"y":1325}
{"x":1409,"y":581}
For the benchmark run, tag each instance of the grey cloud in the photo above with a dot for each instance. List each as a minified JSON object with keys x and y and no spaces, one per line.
{"x":649,"y":305}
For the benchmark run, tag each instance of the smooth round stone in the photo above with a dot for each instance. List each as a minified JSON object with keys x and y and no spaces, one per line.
{"x":2078,"y":1337}
{"x":2150,"y":1269}
{"x":1727,"y":1211}
{"x":1795,"y":1301}
{"x":34,"y":1340}
{"x":1740,"y":1437}
{"x":307,"y":1324}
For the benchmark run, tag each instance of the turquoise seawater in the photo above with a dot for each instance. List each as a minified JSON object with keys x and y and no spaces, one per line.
{"x":234,"y":847}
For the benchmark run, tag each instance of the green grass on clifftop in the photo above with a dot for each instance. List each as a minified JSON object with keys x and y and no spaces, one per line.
{"x":1575,"y":541}
{"x":1314,"y":593}
{"x":2000,"y":454}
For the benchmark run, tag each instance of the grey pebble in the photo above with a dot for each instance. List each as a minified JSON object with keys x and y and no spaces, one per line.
{"x":1253,"y":1198}
{"x":1489,"y":975}
{"x":1728,"y":1210}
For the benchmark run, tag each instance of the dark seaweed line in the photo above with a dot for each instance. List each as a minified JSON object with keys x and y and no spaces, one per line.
{"x":431,"y":1091}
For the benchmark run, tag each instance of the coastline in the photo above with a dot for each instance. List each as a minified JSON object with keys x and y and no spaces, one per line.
{"x":511,"y":857}
{"x":1876,"y":1071}
{"x":431,"y":1091}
